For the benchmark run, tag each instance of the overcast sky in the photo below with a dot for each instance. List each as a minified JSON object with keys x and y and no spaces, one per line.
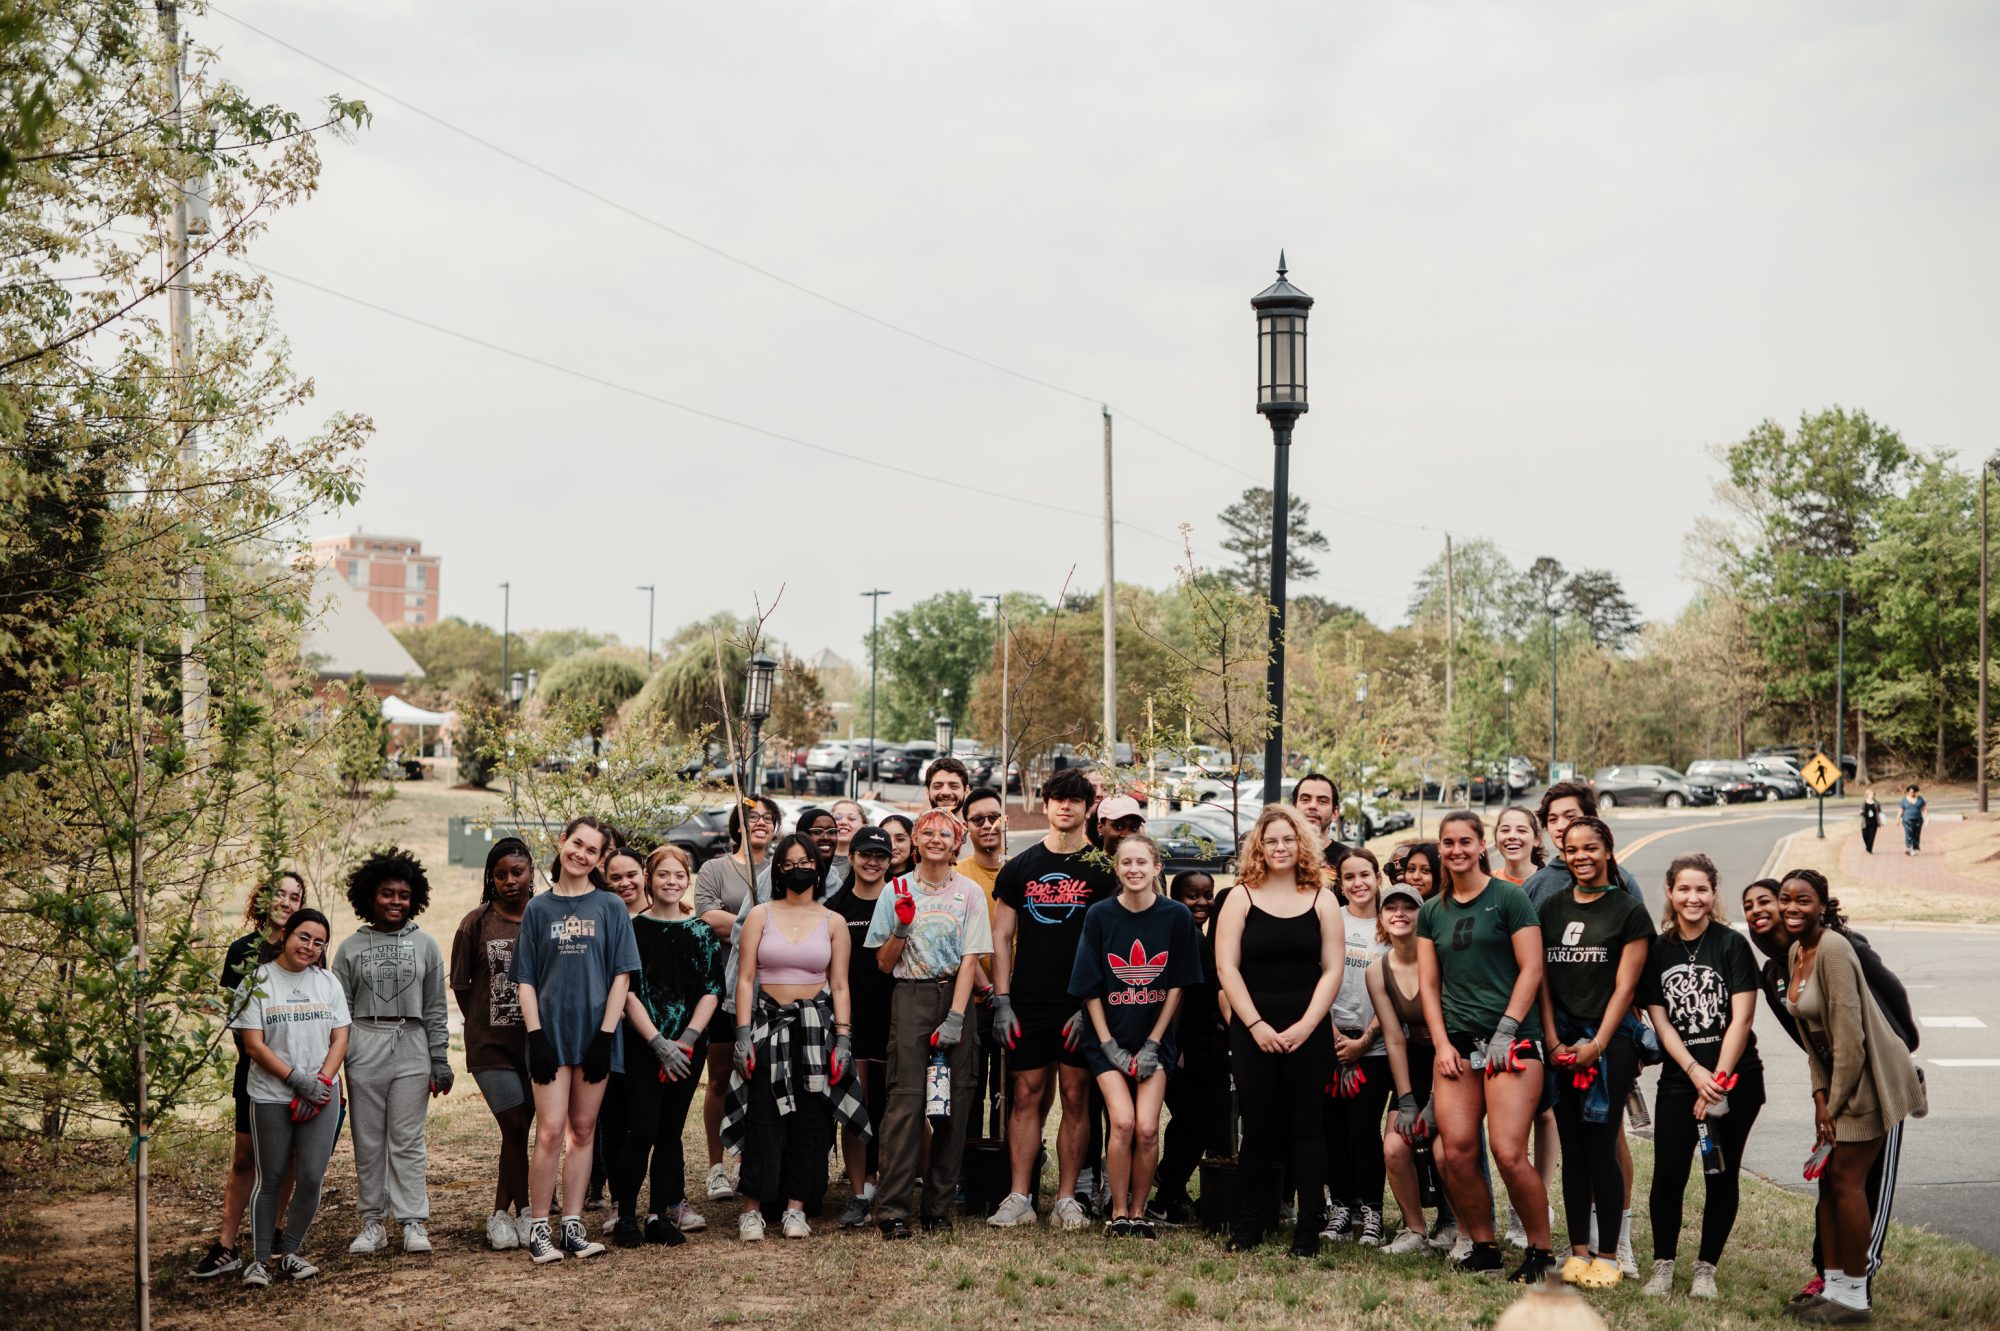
{"x":1559,"y":251}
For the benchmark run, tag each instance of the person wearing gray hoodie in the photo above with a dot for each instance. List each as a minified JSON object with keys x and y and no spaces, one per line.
{"x":399,"y":1055}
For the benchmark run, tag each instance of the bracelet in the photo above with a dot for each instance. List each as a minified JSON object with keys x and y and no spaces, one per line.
{"x":1260,"y":1022}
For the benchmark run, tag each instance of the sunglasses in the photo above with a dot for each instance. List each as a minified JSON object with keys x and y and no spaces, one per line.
{"x":983,"y":819}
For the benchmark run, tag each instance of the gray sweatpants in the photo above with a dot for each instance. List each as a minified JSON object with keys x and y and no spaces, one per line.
{"x":389,"y":1087}
{"x":277,"y":1140}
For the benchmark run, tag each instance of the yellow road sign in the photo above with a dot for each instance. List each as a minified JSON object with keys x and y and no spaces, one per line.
{"x":1820,"y":773}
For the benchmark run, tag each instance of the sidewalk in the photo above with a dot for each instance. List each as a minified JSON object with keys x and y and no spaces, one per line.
{"x":1922,"y":872}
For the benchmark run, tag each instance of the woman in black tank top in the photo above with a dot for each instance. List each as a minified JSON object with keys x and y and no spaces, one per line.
{"x":1279,"y":954}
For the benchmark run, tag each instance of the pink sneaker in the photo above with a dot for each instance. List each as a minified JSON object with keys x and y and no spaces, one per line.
{"x":1814,"y":1288}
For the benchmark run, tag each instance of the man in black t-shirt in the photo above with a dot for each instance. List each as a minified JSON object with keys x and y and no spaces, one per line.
{"x":1040,"y":898}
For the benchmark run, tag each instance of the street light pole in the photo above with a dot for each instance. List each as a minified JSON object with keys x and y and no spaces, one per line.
{"x":651,"y":592}
{"x":506,"y":632}
{"x":1282,"y":310}
{"x":1360,"y":758}
{"x":1552,"y":692}
{"x":757,"y":678}
{"x":1985,"y":472}
{"x":874,"y":668}
{"x":1110,"y":609}
{"x":1006,"y":650}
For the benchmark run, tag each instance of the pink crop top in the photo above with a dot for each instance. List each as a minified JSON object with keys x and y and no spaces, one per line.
{"x":781,"y":961}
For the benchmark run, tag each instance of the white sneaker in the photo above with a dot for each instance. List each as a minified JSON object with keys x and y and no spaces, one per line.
{"x":1015,"y":1209}
{"x":794,"y":1225}
{"x":750,"y":1227}
{"x":719,"y":1186}
{"x":686,"y":1219}
{"x":523,"y":1222}
{"x":255,"y":1276}
{"x":1704,"y":1281}
{"x":1462,"y":1249}
{"x":1069,"y":1214}
{"x":1517,"y":1233}
{"x":1446,"y":1238}
{"x":500,"y":1232}
{"x":372,"y":1238}
{"x":1628,"y":1265}
{"x":414,"y":1237}
{"x":1339,"y":1224}
{"x":1661,"y":1283}
{"x":1407,"y":1242}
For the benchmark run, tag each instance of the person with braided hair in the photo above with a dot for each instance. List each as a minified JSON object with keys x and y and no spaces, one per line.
{"x":496,"y":1040}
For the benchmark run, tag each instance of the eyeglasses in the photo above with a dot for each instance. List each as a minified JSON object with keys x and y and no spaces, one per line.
{"x":983,"y":819}
{"x":1280,"y":842}
{"x":759,"y":820}
{"x":316,"y":944}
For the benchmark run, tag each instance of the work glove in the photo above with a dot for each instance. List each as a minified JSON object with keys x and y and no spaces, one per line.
{"x":1351,"y":1079}
{"x":1006,"y":1026}
{"x":1816,"y":1163}
{"x":675,"y":1057}
{"x":541,"y":1058}
{"x":1120,"y":1057}
{"x":1584,"y":1077}
{"x":746,"y":1053}
{"x":1073,"y":1030}
{"x":308,"y":1085}
{"x":1500,"y":1049}
{"x":949,"y":1030}
{"x":597,"y":1058}
{"x":906,"y":908}
{"x":1409,"y":1118}
{"x":442,"y":1076}
{"x":843,"y":1056}
{"x":1147,"y":1061}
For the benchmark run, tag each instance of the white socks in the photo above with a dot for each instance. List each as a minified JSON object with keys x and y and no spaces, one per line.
{"x":1625,"y":1230}
{"x":868,"y":1192}
{"x":1846,"y":1290}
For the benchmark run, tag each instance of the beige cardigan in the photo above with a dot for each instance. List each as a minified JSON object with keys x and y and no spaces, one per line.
{"x":1873,"y":1083}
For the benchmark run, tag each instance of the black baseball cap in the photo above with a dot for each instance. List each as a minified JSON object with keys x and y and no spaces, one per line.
{"x":871,"y":838}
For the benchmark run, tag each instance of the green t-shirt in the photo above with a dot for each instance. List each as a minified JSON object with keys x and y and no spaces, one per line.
{"x":1584,"y":943}
{"x":1475,"y":951}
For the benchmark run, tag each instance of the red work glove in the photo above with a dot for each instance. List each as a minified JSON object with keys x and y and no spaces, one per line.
{"x":1584,"y":1078}
{"x":1816,"y":1163}
{"x":1513,"y":1062}
{"x":906,"y":908}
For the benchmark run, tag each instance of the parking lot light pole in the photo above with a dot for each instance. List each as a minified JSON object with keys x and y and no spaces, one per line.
{"x":1282,"y":310}
{"x":1985,"y":473}
{"x":756,"y":710}
{"x":874,"y":668}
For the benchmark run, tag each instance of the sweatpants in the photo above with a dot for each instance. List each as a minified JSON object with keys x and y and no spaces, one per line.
{"x":1881,"y":1200}
{"x":1590,"y":1173}
{"x":1280,"y":1097}
{"x":389,"y":1086}
{"x":277,"y":1142}
{"x":1197,"y":1118}
{"x":1674,"y":1142}
{"x":654,"y":1113}
{"x":916,"y":1008}
{"x":1355,"y":1170}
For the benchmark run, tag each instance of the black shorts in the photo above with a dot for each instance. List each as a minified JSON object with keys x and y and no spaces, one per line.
{"x":722,"y":1029}
{"x":242,"y":1112}
{"x":1041,"y":1041}
{"x":1465,"y":1044}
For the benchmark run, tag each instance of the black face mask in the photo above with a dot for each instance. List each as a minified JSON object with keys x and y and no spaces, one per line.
{"x":801,"y":879}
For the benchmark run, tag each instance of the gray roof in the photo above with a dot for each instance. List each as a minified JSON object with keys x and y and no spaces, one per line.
{"x":344,"y":635}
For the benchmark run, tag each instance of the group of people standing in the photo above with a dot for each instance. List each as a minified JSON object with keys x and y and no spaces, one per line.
{"x":1419,"y":1027}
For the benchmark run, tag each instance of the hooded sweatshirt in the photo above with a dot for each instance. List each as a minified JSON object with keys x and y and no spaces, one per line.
{"x":398,"y":974}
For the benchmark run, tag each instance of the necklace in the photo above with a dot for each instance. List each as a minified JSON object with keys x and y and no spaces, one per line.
{"x":928,"y":884}
{"x":1692,"y":949}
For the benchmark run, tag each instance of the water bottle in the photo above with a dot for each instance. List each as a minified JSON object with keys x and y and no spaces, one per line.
{"x":1476,"y":1060}
{"x":937,"y":1089}
{"x":1711,"y":1150}
{"x":1635,"y":1108}
{"x":1426,"y":1167}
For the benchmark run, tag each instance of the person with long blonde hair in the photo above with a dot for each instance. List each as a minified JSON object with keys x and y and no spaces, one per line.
{"x":1280,"y":953}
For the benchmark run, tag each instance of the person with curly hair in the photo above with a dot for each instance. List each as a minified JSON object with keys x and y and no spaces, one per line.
{"x":399,"y":1052}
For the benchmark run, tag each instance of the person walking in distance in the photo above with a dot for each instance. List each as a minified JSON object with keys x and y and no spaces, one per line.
{"x":1040,"y":899}
{"x":270,"y":906}
{"x":294,"y":1021}
{"x":928,"y":933}
{"x":725,"y":889}
{"x":1871,"y":820}
{"x":573,"y":967}
{"x":496,"y":1040}
{"x":870,"y":995}
{"x":1280,"y":952}
{"x":1396,"y":989}
{"x":1913,"y":821}
{"x":399,"y":1054}
{"x":1700,"y":989}
{"x":1361,"y":1080}
{"x":1479,"y":955}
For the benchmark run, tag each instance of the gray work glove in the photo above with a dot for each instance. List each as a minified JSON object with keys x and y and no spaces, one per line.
{"x":441,"y":1074}
{"x":843,"y":1057}
{"x":1147,"y":1061}
{"x":675,"y":1057}
{"x":1006,"y":1026}
{"x":306,"y":1084}
{"x":1119,"y":1056}
{"x":949,"y":1030}
{"x":1408,"y":1115}
{"x":746,"y":1053}
{"x":1500,"y":1049}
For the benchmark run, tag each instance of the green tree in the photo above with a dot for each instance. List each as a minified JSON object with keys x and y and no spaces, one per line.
{"x":361,"y":736}
{"x":1597,"y":600}
{"x":453,"y":647}
{"x":1248,"y":523}
{"x":590,"y":689}
{"x":1486,"y":590}
{"x":481,"y":730}
{"x":930,"y":654}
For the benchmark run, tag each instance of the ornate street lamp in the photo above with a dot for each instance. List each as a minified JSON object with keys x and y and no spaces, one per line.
{"x":946,"y":729}
{"x":517,"y":687}
{"x":1282,"y":310}
{"x":756,"y":710}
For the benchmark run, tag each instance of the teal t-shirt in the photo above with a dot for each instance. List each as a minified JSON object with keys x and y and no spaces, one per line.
{"x":1475,"y":952}
{"x":570,"y":950}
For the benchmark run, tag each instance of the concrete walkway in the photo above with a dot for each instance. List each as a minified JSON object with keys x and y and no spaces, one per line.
{"x":1922,"y":872}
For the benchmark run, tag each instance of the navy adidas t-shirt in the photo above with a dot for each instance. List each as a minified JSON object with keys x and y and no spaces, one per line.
{"x":1132,"y":960}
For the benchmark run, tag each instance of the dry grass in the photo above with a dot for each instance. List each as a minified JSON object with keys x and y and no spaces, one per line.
{"x":1879,"y":903}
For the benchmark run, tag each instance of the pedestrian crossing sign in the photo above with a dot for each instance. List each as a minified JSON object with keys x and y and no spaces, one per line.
{"x":1820,"y":773}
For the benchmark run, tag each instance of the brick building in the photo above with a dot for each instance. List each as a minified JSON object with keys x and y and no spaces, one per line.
{"x":398,"y":579}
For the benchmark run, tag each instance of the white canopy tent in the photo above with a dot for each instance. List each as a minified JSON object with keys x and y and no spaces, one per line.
{"x":399,"y":713}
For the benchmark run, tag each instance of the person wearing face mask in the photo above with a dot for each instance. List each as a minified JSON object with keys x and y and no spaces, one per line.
{"x":496,"y":1041}
{"x":724,"y":890}
{"x":793,"y":1051}
{"x":870,"y":993}
{"x":929,"y":932}
{"x":393,"y":977}
{"x":1361,"y":1081}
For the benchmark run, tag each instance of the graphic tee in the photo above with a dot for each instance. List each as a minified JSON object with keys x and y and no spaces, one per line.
{"x":1475,"y":953}
{"x":482,"y":976}
{"x":245,"y":955}
{"x":571,"y":949}
{"x":1694,"y":983}
{"x":1583,"y":942}
{"x":1132,"y":960}
{"x":1050,"y":894}
{"x":1353,"y":1009}
{"x":868,"y":988}
{"x":950,"y":925}
{"x":680,"y":963}
{"x":298,"y":1014}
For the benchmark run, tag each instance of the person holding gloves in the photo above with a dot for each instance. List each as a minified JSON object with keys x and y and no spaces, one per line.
{"x":930,"y":931}
{"x":393,"y":977}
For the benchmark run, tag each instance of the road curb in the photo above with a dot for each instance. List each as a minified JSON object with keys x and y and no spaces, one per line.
{"x":1779,"y":849}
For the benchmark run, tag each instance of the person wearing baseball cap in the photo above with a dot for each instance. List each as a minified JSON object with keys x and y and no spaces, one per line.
{"x":868,"y":854}
{"x":1118,"y":816}
{"x":1392,"y":985}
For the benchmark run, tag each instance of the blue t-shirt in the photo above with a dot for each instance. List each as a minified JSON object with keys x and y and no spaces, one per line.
{"x":1132,"y":960}
{"x":570,"y":950}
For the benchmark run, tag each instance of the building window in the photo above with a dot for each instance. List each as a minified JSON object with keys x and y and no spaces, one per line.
{"x":354,"y":571}
{"x":420,"y":575}
{"x":417,"y":618}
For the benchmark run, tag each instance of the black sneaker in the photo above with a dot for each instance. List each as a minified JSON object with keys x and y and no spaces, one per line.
{"x":1535,"y":1264}
{"x":291,"y":1266}
{"x":659,"y":1231}
{"x":626,"y":1234}
{"x":218,"y":1261}
{"x":895,"y":1229}
{"x":541,"y":1245}
{"x":1483,"y":1260}
{"x":1170,"y":1211}
{"x":1244,"y":1241}
{"x":937,"y":1224}
{"x":1305,"y":1240}
{"x":1118,"y":1227}
{"x":1142,"y":1229}
{"x":575,"y":1240}
{"x":1370,"y":1235}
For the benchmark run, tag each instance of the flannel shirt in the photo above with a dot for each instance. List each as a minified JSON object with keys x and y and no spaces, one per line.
{"x":774,"y":1029}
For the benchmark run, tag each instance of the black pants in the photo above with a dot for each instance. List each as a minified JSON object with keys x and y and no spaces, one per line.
{"x":1198,"y":1117}
{"x":1280,"y":1097}
{"x":1881,"y":1200}
{"x":1590,"y":1173}
{"x":785,"y":1155}
{"x":1868,"y":831}
{"x":653,"y":1113}
{"x":874,"y":1074}
{"x":1673,"y":1156}
{"x":1354,"y":1169}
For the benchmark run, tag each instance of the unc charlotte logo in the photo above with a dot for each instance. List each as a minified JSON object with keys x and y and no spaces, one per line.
{"x":1461,"y":933}
{"x":1572,"y":933}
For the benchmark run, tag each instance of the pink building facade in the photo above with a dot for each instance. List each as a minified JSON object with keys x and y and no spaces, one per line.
{"x":398,"y":579}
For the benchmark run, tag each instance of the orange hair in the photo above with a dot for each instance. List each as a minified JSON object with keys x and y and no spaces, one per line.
{"x":1311,"y":870}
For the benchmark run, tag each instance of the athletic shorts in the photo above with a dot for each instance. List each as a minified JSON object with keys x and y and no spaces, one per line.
{"x":722,"y":1028}
{"x":504,"y":1089}
{"x":1465,"y":1044}
{"x":1041,"y":1041}
{"x":242,"y":1099}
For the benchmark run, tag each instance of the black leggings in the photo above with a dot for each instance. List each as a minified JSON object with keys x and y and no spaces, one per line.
{"x":1354,"y":1169}
{"x":1198,"y":1115}
{"x":1280,"y":1097}
{"x":1673,"y":1154}
{"x":1590,"y":1173}
{"x":653,"y":1112}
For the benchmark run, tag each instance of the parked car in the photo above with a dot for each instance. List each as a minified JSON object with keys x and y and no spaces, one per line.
{"x":1646,"y":783}
{"x":1365,"y":817}
{"x":704,"y":835}
{"x":1794,"y":754}
{"x":1738,"y":780}
{"x":1187,"y":842}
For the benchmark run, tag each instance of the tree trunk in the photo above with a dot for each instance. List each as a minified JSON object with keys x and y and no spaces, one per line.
{"x":1860,"y":746}
{"x":141,"y":1147}
{"x":1937,"y":762}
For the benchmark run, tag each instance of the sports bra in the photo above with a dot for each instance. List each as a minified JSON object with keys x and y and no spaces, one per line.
{"x":781,"y":961}
{"x":1408,"y":1010}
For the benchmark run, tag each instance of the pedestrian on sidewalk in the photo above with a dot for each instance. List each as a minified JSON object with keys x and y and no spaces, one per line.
{"x":1871,"y":820}
{"x":1913,"y":821}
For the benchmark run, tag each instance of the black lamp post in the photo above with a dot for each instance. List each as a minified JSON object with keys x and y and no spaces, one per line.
{"x":1507,"y":707}
{"x":756,"y":710}
{"x":1282,"y":310}
{"x":517,"y":687}
{"x":947,"y":729}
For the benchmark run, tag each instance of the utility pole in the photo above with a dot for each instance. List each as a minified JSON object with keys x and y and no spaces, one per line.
{"x":1110,"y":609}
{"x":651,"y":592}
{"x":1840,"y":693}
{"x":180,"y":350}
{"x":1984,"y":472}
{"x":1450,"y":626}
{"x":1006,"y":650}
{"x":1552,"y":691}
{"x":506,"y":635}
{"x":874,"y":668}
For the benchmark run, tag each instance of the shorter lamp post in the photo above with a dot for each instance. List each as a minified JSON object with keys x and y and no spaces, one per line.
{"x":947,"y":730}
{"x":1507,"y":707}
{"x":516,"y":690}
{"x":756,"y":710}
{"x":534,"y":680}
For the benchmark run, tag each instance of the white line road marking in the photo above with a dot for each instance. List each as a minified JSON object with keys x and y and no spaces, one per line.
{"x":1952,"y":1023}
{"x":1966,"y":1062}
